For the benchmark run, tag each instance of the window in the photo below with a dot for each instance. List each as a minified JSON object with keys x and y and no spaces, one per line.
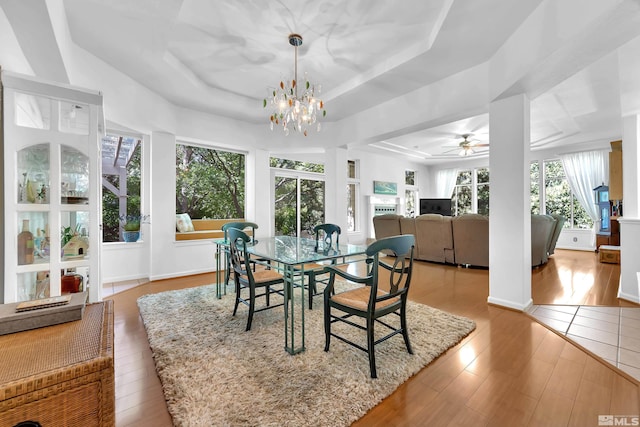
{"x":121,"y":182}
{"x":461,"y":201}
{"x":559,"y":199}
{"x":534,"y":170}
{"x":210,"y":183}
{"x":353,"y":191}
{"x":482,"y":179}
{"x":299,"y":196}
{"x":410,"y":193}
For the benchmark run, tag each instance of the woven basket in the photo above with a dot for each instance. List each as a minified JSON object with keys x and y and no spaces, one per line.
{"x":60,"y":375}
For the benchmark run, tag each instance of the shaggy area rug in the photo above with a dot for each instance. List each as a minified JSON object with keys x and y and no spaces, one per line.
{"x":215,"y":373}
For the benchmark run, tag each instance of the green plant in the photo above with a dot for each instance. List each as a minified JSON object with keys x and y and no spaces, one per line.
{"x":68,"y":233}
{"x":132,"y":222}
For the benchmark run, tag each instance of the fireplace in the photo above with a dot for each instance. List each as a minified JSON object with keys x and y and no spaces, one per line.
{"x":381,"y":206}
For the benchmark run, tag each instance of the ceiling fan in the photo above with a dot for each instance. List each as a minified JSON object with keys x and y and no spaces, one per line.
{"x":467,"y":146}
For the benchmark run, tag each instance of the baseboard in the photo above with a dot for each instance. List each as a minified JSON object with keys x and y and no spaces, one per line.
{"x":510,"y":304}
{"x":181,"y":274}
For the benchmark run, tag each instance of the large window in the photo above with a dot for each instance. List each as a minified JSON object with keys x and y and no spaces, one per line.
{"x":210,"y":183}
{"x":410,"y":193}
{"x":534,"y":170}
{"x":482,"y":193}
{"x":461,"y":201}
{"x":353,"y":192}
{"x":560,"y":200}
{"x":121,"y":183}
{"x":299,"y":192}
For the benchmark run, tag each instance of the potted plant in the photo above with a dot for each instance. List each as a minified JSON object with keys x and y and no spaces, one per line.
{"x":131,"y":226}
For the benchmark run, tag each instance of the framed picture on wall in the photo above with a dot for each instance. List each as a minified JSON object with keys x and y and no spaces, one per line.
{"x":387,"y":188}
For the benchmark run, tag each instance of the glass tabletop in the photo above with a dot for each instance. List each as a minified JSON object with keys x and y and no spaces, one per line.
{"x":298,"y":250}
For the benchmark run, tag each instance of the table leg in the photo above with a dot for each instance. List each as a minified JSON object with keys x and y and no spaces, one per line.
{"x":293,"y":327}
{"x":218,"y":284}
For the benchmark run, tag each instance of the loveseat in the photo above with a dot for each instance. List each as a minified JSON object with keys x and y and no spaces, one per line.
{"x":464,"y":240}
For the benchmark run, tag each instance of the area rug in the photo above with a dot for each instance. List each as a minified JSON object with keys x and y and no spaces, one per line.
{"x":214,"y":373}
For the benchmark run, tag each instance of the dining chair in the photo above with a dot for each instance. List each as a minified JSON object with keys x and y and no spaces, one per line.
{"x":373,"y":300}
{"x":245,"y":278}
{"x":240,"y":225}
{"x":327,"y":239}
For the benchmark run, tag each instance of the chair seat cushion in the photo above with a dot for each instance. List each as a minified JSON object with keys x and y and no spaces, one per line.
{"x":311,"y":266}
{"x":359,"y":298}
{"x":263,"y":276}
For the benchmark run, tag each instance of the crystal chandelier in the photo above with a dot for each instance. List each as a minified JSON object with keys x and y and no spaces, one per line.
{"x":293,"y":110}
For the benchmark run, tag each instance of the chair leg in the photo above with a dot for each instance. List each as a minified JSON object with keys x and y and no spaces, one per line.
{"x":371,"y":347}
{"x":227,"y":273}
{"x":235,"y":308}
{"x":312,"y":289}
{"x":252,"y":306}
{"x":327,"y":326}
{"x":405,"y":331}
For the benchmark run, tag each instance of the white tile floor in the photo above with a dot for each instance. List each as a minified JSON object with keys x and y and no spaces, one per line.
{"x":109,"y":289}
{"x":612,"y":333}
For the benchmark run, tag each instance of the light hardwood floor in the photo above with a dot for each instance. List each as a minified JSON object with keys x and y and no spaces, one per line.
{"x":510,"y":371}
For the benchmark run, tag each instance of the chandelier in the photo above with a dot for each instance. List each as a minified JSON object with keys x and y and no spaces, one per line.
{"x":293,"y":110}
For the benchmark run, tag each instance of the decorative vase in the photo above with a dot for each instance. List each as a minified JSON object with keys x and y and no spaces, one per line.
{"x":25,"y":244}
{"x":131,"y":236}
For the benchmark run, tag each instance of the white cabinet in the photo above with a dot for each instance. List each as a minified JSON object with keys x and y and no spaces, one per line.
{"x":52,"y":185}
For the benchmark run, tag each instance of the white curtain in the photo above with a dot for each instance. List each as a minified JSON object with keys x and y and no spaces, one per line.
{"x":445,"y":183}
{"x":585,"y":171}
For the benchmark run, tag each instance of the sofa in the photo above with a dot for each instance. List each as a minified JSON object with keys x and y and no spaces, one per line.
{"x":464,"y":240}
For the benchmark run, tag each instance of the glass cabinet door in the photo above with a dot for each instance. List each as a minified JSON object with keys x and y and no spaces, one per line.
{"x":52,"y":174}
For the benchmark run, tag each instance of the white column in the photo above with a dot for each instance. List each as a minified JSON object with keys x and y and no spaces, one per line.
{"x":260,"y":191}
{"x":630,"y":221}
{"x":335,"y":169}
{"x":163,"y":202}
{"x":509,"y":204}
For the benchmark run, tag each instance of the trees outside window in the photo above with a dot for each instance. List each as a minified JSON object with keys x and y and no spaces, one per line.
{"x":353,"y":190}
{"x":461,"y":201}
{"x":534,"y":170}
{"x":482,"y":179}
{"x":299,"y":192}
{"x":410,"y":194}
{"x":210,"y":183}
{"x":560,"y":200}
{"x":121,"y":182}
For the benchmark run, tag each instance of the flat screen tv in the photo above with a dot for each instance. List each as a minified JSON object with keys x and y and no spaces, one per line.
{"x":435,"y":206}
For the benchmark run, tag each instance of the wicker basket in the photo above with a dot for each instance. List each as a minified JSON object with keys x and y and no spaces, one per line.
{"x":60,"y":375}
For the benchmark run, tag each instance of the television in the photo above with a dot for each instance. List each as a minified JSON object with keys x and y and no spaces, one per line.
{"x":435,"y":206}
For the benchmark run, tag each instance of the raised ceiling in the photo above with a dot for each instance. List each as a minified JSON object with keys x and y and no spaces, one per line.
{"x":404,"y":78}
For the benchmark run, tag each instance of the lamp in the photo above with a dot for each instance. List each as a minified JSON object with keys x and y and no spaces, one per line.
{"x":293,"y":110}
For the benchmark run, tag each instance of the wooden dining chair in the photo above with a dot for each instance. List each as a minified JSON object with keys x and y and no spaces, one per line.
{"x":372,"y":301}
{"x":327,"y":239}
{"x":246,"y":279}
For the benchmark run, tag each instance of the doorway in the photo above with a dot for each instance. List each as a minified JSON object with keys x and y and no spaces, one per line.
{"x":299,"y":203}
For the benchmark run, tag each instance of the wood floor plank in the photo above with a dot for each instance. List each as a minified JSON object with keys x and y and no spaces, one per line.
{"x":510,"y":371}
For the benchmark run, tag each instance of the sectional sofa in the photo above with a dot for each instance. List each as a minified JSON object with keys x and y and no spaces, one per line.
{"x":464,"y":239}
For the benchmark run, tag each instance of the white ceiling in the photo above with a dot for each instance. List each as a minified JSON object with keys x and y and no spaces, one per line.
{"x":405,"y":77}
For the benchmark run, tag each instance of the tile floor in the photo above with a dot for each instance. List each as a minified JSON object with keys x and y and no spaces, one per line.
{"x":109,"y":289}
{"x":612,"y":333}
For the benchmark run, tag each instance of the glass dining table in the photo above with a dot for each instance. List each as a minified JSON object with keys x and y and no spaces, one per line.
{"x":288,"y":255}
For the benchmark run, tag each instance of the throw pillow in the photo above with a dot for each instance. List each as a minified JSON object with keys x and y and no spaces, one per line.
{"x":183,"y":223}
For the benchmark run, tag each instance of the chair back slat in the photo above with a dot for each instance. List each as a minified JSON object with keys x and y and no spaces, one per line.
{"x":240,"y":225}
{"x":238,"y":240}
{"x":400,"y":270}
{"x":327,"y":233}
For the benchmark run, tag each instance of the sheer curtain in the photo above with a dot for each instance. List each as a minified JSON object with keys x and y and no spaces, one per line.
{"x":585,"y":171}
{"x":445,"y":183}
